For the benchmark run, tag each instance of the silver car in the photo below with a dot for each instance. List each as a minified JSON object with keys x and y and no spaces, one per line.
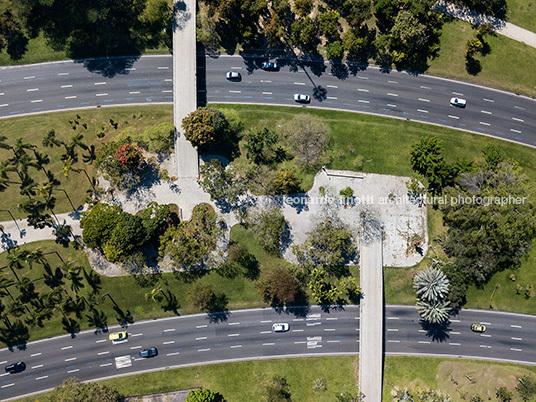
{"x":280,"y":327}
{"x":233,"y":76}
{"x":301,"y":98}
{"x":458,"y":102}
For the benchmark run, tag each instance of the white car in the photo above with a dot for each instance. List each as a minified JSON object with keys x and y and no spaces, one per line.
{"x":280,"y":327}
{"x":301,"y":98}
{"x":458,"y":102}
{"x":233,"y":76}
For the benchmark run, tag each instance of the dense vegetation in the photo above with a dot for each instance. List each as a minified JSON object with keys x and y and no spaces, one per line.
{"x":92,"y":28}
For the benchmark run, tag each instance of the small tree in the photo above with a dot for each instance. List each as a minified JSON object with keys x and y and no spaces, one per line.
{"x":221,"y":183}
{"x":268,"y":225}
{"x":526,"y":387}
{"x":279,"y":286}
{"x":204,"y":395}
{"x":73,"y":390}
{"x":205,"y":127}
{"x":277,"y":389}
{"x":306,"y":137}
{"x":262,"y":147}
{"x":202,"y":296}
{"x":98,"y":223}
{"x":503,"y":395}
{"x":286,"y":182}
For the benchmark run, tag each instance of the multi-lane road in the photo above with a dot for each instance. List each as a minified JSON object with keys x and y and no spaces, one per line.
{"x":68,"y":85}
{"x":247,"y":334}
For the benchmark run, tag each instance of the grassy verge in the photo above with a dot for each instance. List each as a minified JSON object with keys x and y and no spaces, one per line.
{"x":33,"y":128}
{"x":244,"y":381}
{"x":522,"y":13}
{"x":510,"y":65}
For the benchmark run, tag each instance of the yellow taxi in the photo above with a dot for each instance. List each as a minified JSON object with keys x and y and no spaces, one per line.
{"x":118,"y":336}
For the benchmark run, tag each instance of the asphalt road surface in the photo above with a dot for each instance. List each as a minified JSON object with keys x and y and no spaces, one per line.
{"x":247,"y":334}
{"x":70,"y":85}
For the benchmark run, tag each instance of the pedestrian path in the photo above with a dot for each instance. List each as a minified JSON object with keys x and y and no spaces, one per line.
{"x":184,"y":84}
{"x":371,"y":313}
{"x":501,"y":27}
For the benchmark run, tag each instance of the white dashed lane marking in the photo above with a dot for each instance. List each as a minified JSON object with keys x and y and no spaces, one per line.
{"x":362,"y":90}
{"x":100,"y":83}
{"x":299,"y":83}
{"x":516,"y":326}
{"x":332,"y":86}
{"x":70,"y":359}
{"x":66,"y":86}
{"x":73,"y":371}
{"x":515,"y":131}
{"x":485,"y":111}
{"x":484,"y":124}
{"x":36,"y":354}
{"x":488,"y":100}
{"x":391,"y":94}
{"x":67,"y":347}
{"x":104,"y":94}
{"x":516,"y":119}
{"x":168,"y":342}
{"x":457,"y":93}
{"x":424,"y":100}
{"x":103,"y":353}
{"x":32,"y":90}
{"x":453,"y":117}
{"x":30,"y":77}
{"x":423,"y":87}
{"x":41,"y":378}
{"x":36,"y":367}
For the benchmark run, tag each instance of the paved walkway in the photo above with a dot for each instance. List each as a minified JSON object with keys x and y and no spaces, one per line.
{"x":184,"y":83}
{"x":501,"y":27}
{"x":371,"y":313}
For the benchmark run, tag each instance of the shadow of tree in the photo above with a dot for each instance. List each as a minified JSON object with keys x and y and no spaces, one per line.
{"x":98,"y":320}
{"x":171,"y":303}
{"x":14,"y":334}
{"x":438,"y":332}
{"x":217,"y":309}
{"x":71,"y":326}
{"x":123,"y":317}
{"x":109,"y":67}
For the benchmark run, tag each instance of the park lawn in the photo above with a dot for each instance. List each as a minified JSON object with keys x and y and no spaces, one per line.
{"x":244,"y":381}
{"x":33,"y":128}
{"x":510,"y":66}
{"x":522,"y":13}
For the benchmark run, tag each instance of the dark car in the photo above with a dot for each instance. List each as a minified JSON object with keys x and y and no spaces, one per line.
{"x":15,"y":367}
{"x":151,"y":352}
{"x":270,"y":66}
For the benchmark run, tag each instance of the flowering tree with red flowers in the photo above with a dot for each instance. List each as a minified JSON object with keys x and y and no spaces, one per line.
{"x":129,"y":156}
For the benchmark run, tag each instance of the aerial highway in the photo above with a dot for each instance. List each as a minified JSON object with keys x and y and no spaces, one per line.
{"x":70,"y":85}
{"x":247,"y":334}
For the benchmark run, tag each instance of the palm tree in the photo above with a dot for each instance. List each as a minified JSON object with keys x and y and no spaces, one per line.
{"x":20,"y":148}
{"x":50,"y":140}
{"x":90,"y":156}
{"x":431,"y":284}
{"x":5,"y":167}
{"x":5,"y":283}
{"x":434,"y":313}
{"x":401,"y":394}
{"x":28,"y":186}
{"x":15,"y":258}
{"x":72,"y":273}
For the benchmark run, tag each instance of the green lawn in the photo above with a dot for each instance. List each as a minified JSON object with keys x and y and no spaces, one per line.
{"x":244,"y":381}
{"x":510,"y":66}
{"x":33,"y":128}
{"x":522,"y":13}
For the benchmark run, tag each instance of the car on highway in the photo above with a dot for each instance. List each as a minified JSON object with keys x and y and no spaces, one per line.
{"x":270,"y":66}
{"x":118,"y":336}
{"x":150,"y":352}
{"x":15,"y":367}
{"x":458,"y":102}
{"x":280,"y":327}
{"x":302,"y":98}
{"x":478,"y":327}
{"x":233,"y":76}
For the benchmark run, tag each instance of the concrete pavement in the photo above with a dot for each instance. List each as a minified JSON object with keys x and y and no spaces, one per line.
{"x":184,"y":84}
{"x":371,"y":311}
{"x":501,"y":27}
